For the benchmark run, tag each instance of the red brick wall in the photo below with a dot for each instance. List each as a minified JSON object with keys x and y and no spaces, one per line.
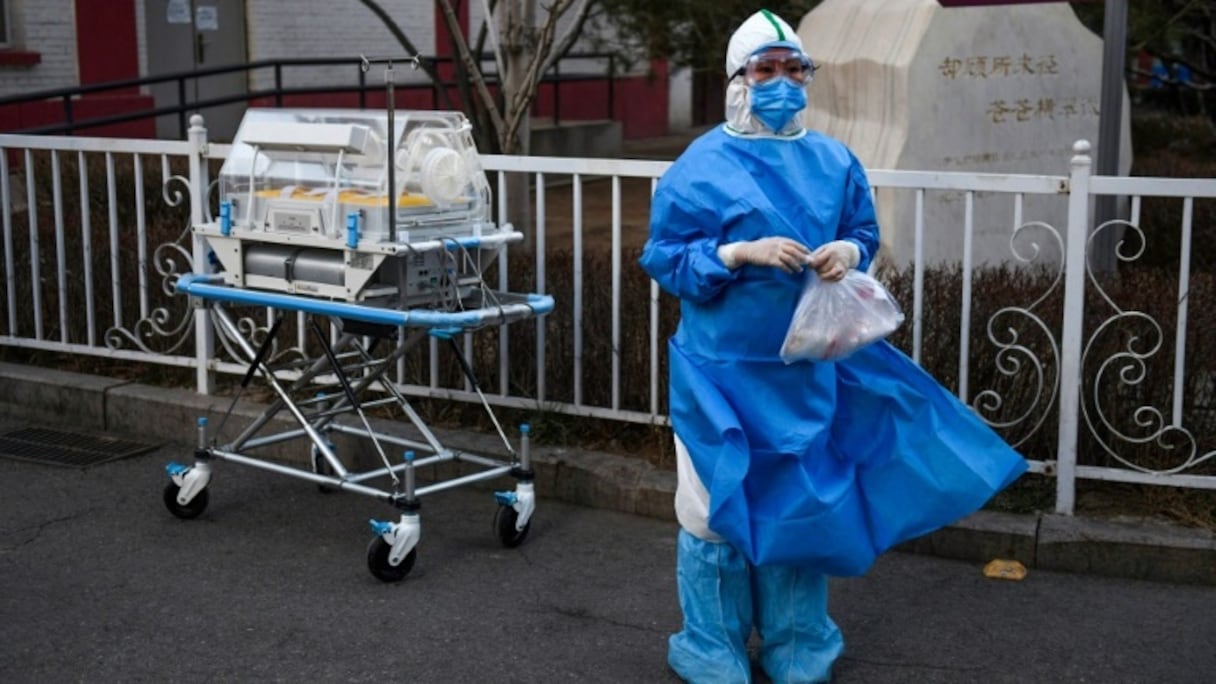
{"x":106,"y":50}
{"x":640,"y":103}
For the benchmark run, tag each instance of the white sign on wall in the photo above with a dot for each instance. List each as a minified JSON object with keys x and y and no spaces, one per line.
{"x":178,"y":12}
{"x":207,"y":18}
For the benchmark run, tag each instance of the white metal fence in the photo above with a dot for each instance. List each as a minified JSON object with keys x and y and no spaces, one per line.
{"x":75,"y":296}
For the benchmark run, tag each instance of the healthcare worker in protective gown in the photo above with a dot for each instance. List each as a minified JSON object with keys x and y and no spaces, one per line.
{"x":788,"y":474}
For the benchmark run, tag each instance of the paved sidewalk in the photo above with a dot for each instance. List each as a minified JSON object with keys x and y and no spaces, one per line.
{"x":1129,"y":549}
{"x":101,"y":584}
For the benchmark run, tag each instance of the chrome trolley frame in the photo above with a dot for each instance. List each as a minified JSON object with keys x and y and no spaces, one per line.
{"x":378,"y":225}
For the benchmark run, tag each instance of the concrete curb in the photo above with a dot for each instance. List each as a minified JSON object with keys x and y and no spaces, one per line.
{"x":1134,"y":549}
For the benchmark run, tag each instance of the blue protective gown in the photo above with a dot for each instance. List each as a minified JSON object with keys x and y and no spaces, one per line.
{"x":822,"y":465}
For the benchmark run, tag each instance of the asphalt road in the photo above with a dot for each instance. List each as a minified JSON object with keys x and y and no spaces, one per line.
{"x":99,"y":583}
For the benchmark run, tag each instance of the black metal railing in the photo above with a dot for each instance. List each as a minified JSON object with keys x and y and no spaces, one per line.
{"x":68,"y":123}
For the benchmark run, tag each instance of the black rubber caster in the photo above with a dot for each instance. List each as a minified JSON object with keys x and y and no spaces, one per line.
{"x":377,"y":561}
{"x":504,"y":526}
{"x":191,"y":510}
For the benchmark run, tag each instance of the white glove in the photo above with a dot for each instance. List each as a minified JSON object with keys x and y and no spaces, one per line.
{"x":833,"y":259}
{"x":783,"y":253}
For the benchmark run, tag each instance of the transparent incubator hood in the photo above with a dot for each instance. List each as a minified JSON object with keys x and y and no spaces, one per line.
{"x":317,"y":173}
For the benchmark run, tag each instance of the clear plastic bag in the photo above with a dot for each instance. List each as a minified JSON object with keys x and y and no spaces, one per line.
{"x":836,"y":318}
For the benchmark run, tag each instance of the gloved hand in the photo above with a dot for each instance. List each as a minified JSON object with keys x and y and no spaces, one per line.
{"x":783,"y":253}
{"x":833,"y":259}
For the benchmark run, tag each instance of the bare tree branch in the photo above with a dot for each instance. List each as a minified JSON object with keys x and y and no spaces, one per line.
{"x":525,"y":52}
{"x":471,"y":64}
{"x":522,"y":99}
{"x":568,"y":40}
{"x":1167,"y":24}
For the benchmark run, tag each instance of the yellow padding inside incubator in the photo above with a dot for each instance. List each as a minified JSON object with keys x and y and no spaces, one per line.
{"x":346,"y":197}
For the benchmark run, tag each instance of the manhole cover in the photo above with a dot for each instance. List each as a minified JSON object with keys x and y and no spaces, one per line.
{"x":55,"y":447}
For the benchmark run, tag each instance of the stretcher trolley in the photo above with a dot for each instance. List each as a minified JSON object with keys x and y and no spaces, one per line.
{"x":374,"y":229}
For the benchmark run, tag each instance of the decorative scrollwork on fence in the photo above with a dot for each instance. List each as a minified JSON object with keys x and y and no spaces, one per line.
{"x":255,"y":334}
{"x":166,"y":329}
{"x":1020,"y":409}
{"x":163,"y":330}
{"x":213,"y":191}
{"x":172,"y":197}
{"x":1131,"y":341}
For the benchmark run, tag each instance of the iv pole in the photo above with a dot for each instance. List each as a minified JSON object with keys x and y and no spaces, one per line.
{"x":391,"y":157}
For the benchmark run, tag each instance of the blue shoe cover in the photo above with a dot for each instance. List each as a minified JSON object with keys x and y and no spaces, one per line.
{"x":800,"y":641}
{"x":715,"y":595}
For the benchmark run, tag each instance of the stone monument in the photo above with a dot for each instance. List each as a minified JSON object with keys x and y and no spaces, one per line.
{"x":909,"y":84}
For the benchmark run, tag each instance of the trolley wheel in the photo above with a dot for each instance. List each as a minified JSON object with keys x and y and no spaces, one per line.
{"x":504,"y":526}
{"x":190,"y":510}
{"x":377,"y":561}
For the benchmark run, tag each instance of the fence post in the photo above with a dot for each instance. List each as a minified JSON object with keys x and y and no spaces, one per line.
{"x":1071,"y":339}
{"x":204,"y":337}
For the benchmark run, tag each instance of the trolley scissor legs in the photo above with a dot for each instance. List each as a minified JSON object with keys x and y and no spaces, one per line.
{"x":393,"y":548}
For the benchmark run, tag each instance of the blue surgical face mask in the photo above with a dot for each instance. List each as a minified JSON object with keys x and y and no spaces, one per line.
{"x":777,"y":101}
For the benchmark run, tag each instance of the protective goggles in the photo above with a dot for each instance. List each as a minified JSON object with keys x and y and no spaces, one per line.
{"x":770,"y":64}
